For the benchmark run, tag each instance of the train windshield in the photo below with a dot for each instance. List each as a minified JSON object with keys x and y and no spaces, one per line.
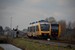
{"x":45,"y":27}
{"x":54,"y":26}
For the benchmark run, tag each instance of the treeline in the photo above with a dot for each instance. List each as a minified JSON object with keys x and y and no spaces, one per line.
{"x":67,"y":29}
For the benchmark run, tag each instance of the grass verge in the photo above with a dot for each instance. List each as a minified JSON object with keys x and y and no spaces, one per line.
{"x":27,"y":44}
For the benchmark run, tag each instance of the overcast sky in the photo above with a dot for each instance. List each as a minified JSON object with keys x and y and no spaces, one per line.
{"x":25,"y":11}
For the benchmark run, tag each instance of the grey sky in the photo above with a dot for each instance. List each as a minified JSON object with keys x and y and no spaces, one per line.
{"x":26,"y":11}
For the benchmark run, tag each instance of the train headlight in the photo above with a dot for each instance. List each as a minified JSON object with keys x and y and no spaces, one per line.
{"x":48,"y":39}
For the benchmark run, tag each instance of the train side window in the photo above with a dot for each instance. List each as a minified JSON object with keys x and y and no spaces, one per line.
{"x":37,"y":29}
{"x":30,"y":29}
{"x":33,"y":28}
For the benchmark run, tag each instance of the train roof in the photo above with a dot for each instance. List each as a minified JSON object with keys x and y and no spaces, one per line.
{"x":39,"y":21}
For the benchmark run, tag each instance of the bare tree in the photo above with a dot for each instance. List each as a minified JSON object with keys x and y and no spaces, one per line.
{"x":69,"y":25}
{"x":63,"y":25}
{"x":73,"y":25}
{"x":7,"y":28}
{"x":51,"y":20}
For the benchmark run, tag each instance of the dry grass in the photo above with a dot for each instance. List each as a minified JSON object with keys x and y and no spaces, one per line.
{"x":27,"y":44}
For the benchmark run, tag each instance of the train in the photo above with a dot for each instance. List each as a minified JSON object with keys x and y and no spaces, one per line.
{"x":55,"y":31}
{"x":43,"y":29}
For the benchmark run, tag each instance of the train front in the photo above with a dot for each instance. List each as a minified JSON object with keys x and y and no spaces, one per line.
{"x":45,"y":30}
{"x":55,"y":31}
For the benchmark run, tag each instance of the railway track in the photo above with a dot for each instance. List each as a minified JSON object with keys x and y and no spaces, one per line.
{"x":57,"y":43}
{"x":54,"y":43}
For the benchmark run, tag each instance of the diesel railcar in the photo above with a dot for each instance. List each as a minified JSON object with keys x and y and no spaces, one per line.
{"x":55,"y":31}
{"x":40,"y":29}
